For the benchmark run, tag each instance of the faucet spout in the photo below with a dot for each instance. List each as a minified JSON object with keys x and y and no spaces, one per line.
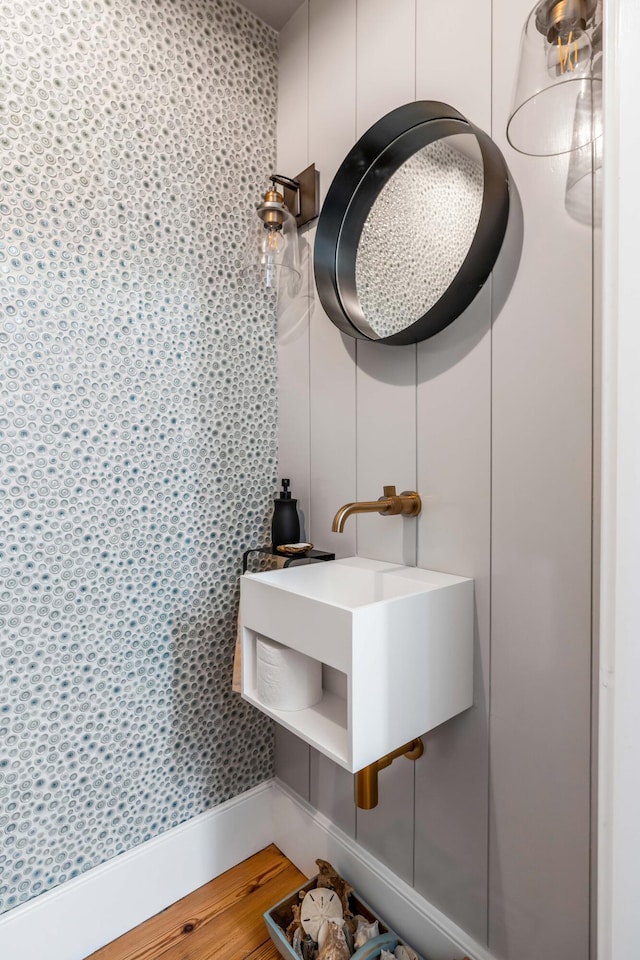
{"x":367,"y":506}
{"x":407,"y":504}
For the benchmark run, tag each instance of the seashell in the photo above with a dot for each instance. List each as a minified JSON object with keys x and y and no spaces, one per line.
{"x":365,"y":931}
{"x":335,"y":946}
{"x":327,"y":877}
{"x":323,"y":932}
{"x":309,"y":949}
{"x":405,"y":953}
{"x":295,"y":923}
{"x":372,"y":949}
{"x":352,"y":923}
{"x":296,"y":942}
{"x":319,"y":905}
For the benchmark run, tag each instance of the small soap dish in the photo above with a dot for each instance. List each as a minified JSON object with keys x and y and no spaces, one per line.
{"x":293,"y":549}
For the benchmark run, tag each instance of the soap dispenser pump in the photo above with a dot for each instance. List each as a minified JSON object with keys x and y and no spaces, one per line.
{"x":285,"y":526}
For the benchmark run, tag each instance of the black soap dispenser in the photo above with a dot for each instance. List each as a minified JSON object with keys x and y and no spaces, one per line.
{"x":285,"y":526}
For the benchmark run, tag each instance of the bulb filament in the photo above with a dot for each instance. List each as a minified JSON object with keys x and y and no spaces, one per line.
{"x":567,"y":61}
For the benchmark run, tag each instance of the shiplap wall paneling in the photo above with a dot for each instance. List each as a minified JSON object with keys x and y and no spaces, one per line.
{"x":529,"y":812}
{"x":541,"y":561}
{"x":454,"y":475}
{"x":388,"y":830}
{"x":454,"y":464}
{"x":331,"y":791}
{"x":386,"y":405}
{"x":292,"y":754}
{"x":453,"y":56}
{"x":293,"y":336}
{"x":332,"y":123}
{"x":386,"y":377}
{"x":291,"y":761}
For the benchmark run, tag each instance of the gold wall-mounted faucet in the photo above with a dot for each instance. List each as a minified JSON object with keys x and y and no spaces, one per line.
{"x":407,"y":504}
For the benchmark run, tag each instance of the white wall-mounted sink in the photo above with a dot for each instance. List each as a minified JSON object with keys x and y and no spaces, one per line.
{"x":396,"y":644}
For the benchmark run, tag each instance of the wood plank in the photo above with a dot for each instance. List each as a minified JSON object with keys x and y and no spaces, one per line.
{"x":171,"y":933}
{"x":240,"y":929}
{"x":199,"y":907}
{"x":266,"y":951}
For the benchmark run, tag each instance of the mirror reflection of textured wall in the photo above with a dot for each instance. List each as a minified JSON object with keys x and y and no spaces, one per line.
{"x":417,"y":234}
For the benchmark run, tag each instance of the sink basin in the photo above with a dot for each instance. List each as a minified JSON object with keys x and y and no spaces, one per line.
{"x":395,"y":642}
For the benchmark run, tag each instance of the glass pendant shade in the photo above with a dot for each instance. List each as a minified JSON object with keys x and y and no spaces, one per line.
{"x":272,"y":248}
{"x":558,"y":71}
{"x":584,"y":176}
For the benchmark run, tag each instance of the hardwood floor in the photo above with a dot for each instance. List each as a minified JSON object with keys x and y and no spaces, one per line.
{"x":220,"y":921}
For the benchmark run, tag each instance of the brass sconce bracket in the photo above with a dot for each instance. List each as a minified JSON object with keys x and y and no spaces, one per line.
{"x":301,"y":195}
{"x":366,"y":780}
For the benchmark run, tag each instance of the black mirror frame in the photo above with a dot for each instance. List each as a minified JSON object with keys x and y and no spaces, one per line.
{"x":361,"y":177}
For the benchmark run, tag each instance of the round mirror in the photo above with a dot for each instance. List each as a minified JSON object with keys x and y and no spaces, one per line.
{"x":412,"y":225}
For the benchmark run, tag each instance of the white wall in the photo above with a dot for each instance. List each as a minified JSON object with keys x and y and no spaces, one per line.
{"x":619,"y":678}
{"x":491,"y":422}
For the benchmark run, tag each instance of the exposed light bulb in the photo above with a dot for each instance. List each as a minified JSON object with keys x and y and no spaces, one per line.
{"x":275,"y":240}
{"x":273,"y":246}
{"x":559,"y":57}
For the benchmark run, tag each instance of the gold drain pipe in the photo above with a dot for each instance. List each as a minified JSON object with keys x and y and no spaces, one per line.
{"x":366,"y":780}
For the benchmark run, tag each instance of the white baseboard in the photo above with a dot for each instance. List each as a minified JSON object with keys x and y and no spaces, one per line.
{"x":84,"y":914}
{"x":302,"y":833}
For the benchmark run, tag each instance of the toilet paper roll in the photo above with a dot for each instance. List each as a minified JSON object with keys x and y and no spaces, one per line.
{"x":286,"y":679}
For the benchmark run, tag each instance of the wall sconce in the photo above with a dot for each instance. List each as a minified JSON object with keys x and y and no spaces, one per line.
{"x":583,"y":192}
{"x":560,"y":69}
{"x":272,"y":249}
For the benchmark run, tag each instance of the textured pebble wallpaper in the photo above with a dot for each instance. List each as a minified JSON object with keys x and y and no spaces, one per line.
{"x":137,"y":420}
